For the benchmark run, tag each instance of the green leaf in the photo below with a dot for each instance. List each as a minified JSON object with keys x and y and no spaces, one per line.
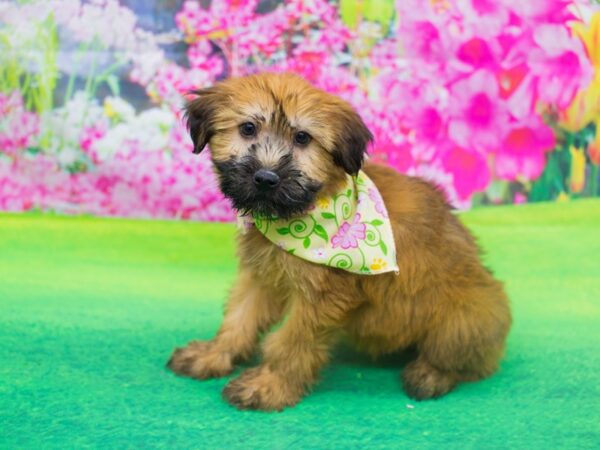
{"x":113,"y":84}
{"x":383,"y":247}
{"x":348,"y":10}
{"x":550,"y":184}
{"x":291,"y":251}
{"x":327,"y":215}
{"x":376,"y":222}
{"x":306,"y":242}
{"x":283,"y":231}
{"x":381,"y":11}
{"x":320,"y":231}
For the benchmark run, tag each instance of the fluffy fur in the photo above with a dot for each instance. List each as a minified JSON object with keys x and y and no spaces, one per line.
{"x":444,"y":303}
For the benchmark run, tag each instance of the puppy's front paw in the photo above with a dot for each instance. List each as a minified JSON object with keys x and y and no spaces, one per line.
{"x":200,"y":359}
{"x":261,"y":389}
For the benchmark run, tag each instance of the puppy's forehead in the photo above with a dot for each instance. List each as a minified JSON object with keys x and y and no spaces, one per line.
{"x":279,"y":100}
{"x":253,"y":103}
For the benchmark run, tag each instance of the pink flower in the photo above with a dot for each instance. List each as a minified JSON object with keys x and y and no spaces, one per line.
{"x":379,"y":205}
{"x":397,"y":156}
{"x":519,"y":198}
{"x":200,"y":56}
{"x":560,"y":63}
{"x":523,"y":151}
{"x":89,"y":136}
{"x":555,"y":11}
{"x":385,"y":53}
{"x":483,"y":16}
{"x":442,"y":179}
{"x":469,"y":170}
{"x":18,"y":128}
{"x":425,"y":40}
{"x":478,"y":115}
{"x":169,"y":79}
{"x":476,"y":53}
{"x":349,"y":234}
{"x":310,"y":60}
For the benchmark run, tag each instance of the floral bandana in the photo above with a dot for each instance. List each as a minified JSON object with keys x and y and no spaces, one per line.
{"x":350,"y":230}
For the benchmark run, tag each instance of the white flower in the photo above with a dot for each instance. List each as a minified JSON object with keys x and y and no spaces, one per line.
{"x":62,"y":127}
{"x":145,"y":64}
{"x":149,"y":130}
{"x":67,"y":156}
{"x":319,"y":253}
{"x":107,"y":21}
{"x":118,"y":109}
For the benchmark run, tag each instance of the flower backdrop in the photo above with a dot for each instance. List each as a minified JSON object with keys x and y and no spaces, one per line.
{"x":496,"y":101}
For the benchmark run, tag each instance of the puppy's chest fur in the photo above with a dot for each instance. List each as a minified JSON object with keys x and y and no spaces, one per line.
{"x":273,"y":267}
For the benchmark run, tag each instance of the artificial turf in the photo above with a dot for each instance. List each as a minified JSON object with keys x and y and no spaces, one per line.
{"x":90,"y":310}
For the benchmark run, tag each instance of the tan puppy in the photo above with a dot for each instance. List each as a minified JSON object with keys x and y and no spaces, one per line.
{"x":444,"y":302}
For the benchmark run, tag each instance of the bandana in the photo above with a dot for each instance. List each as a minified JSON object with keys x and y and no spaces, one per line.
{"x":350,"y":230}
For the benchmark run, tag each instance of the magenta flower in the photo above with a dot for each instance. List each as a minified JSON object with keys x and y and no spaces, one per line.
{"x":398,"y":156}
{"x":424,"y":40}
{"x":469,"y":169}
{"x":349,"y":234}
{"x":478,"y":115}
{"x":560,"y":63}
{"x":519,"y":198}
{"x":523,"y":151}
{"x":555,"y":11}
{"x":476,"y":53}
{"x":430,"y":126}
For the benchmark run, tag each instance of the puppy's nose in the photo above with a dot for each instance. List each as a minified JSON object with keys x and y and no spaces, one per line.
{"x":265,"y":179}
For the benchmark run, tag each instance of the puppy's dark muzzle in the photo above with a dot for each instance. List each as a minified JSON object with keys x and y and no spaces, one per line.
{"x":266,"y":180}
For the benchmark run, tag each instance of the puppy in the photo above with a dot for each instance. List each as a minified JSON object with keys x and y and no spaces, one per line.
{"x":442,"y":302}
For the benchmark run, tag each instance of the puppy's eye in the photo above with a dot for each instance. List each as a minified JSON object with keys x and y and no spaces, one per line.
{"x":302,"y":138}
{"x":248,"y":129}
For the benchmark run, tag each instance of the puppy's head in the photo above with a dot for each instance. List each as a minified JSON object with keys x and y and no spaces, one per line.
{"x":276,"y":141}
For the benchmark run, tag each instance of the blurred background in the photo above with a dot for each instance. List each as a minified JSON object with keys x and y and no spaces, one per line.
{"x":495,"y":101}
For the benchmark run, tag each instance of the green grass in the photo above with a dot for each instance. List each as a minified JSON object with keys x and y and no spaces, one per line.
{"x":90,"y":310}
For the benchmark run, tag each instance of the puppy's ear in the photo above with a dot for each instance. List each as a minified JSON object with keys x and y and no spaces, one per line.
{"x":200,"y":116}
{"x":351,"y":141}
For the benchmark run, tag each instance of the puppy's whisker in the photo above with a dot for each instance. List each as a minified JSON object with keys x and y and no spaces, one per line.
{"x":290,"y":199}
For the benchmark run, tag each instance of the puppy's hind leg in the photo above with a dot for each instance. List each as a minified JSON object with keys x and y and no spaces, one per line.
{"x":465,"y":342}
{"x":250,"y":311}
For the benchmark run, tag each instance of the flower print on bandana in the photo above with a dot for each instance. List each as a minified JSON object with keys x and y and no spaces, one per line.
{"x":379,"y":206}
{"x":349,"y":230}
{"x":349,"y":234}
{"x":319,"y":254}
{"x":362,"y":197}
